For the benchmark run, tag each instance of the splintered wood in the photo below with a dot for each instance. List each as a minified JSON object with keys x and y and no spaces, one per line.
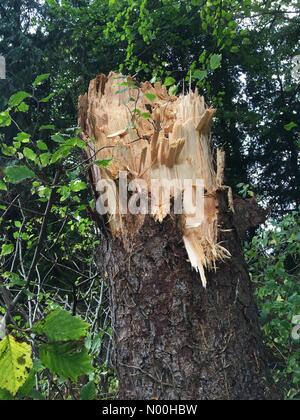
{"x":154,"y":136}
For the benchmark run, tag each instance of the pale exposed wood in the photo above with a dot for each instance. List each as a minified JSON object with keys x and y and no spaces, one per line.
{"x":173,"y":144}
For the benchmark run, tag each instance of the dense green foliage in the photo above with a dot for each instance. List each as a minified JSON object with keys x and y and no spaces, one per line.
{"x":239,"y":54}
{"x":274,"y":257}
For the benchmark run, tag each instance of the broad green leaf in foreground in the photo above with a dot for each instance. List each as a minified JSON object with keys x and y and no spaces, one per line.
{"x":60,"y":325}
{"x":67,"y":360}
{"x":15,"y":364}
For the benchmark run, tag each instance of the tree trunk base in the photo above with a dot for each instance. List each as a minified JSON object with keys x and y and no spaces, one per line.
{"x":174,"y":340}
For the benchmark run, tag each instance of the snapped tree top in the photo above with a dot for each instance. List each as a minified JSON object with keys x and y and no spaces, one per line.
{"x":154,"y":135}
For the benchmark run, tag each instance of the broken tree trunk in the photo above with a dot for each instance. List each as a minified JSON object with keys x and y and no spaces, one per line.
{"x":184,"y":319}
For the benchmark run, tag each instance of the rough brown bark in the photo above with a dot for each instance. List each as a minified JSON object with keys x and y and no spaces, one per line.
{"x":172,"y":338}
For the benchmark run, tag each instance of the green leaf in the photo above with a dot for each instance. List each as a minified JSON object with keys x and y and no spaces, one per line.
{"x":29,"y":154}
{"x":200,"y":75}
{"x":47,"y":98}
{"x":16,"y":99}
{"x":169,"y":81}
{"x":215,"y":61}
{"x":40,"y":79}
{"x":75,"y":142}
{"x":28,"y":386}
{"x":5,"y":395}
{"x":42,"y":145}
{"x":3,"y":186}
{"x":103,"y":163}
{"x":151,"y":96}
{"x":15,"y":364}
{"x":16,"y":174}
{"x":173,"y":90}
{"x":88,"y":392}
{"x":23,"y":137}
{"x":235,"y":49}
{"x":58,"y":138}
{"x":14,"y":279}
{"x":5,"y":120}
{"x":61,"y":153}
{"x":290,"y":126}
{"x":77,"y":186}
{"x":48,"y":127}
{"x":7,"y":249}
{"x":146,"y":115}
{"x":67,"y":360}
{"x":8,"y":150}
{"x":60,"y":325}
{"x":23,"y":107}
{"x":45,"y":159}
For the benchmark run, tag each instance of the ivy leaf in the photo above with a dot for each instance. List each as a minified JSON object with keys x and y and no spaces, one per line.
{"x":169,"y":81}
{"x":16,"y":99}
{"x":215,"y":61}
{"x":41,"y":79}
{"x":67,"y":360}
{"x":60,"y":325}
{"x":88,"y":392}
{"x":15,"y":364}
{"x":16,"y":174}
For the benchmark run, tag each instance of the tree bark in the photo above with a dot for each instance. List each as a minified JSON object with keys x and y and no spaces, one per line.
{"x":172,"y":338}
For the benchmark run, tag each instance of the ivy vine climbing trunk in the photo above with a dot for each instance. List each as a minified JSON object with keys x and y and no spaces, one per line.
{"x":184,"y":319}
